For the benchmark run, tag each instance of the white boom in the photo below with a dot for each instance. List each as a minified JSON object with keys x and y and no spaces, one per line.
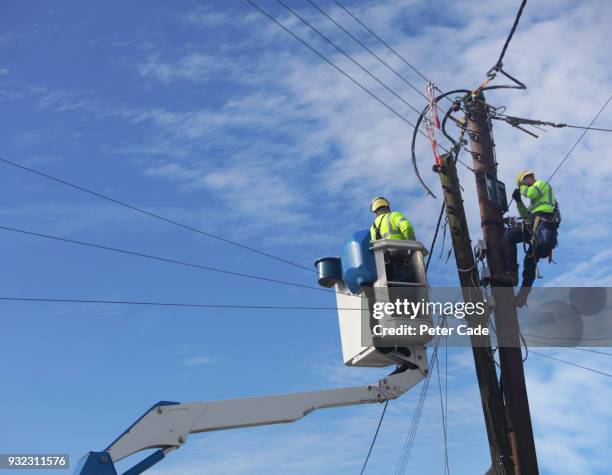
{"x":166,"y":426}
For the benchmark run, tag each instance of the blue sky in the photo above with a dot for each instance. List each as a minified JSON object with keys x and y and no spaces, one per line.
{"x":212,"y":115}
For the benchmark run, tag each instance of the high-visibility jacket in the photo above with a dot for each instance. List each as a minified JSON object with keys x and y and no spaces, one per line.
{"x":542,"y":198}
{"x":392,"y":226}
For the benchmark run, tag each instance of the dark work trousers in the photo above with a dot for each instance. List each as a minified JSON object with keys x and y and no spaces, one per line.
{"x":513,"y":236}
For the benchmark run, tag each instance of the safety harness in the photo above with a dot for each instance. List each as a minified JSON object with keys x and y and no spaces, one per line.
{"x":543,"y":235}
{"x":390,"y":231}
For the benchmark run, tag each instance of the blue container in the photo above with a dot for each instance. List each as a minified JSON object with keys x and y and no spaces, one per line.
{"x":330,"y":271}
{"x":358,"y":265}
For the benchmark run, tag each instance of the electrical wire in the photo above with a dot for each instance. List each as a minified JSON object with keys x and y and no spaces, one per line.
{"x":348,"y":56}
{"x":433,"y":241}
{"x":571,"y":363}
{"x":515,"y":121}
{"x":162,"y":259}
{"x":431,"y":249}
{"x":368,"y":49}
{"x":579,"y":139}
{"x":383,"y":42}
{"x":414,"y":137}
{"x":334,"y":65}
{"x":444,"y":424}
{"x":499,"y":63}
{"x":165,"y":304}
{"x":409,"y":442}
{"x":151,"y":214}
{"x":382,"y":416}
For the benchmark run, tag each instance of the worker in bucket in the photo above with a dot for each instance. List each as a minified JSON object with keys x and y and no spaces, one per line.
{"x":392,"y":225}
{"x":537,"y":230}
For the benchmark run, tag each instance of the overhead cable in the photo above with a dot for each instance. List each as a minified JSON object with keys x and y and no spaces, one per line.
{"x":499,"y":63}
{"x":579,"y":139}
{"x":369,"y":50}
{"x":347,"y":55}
{"x":165,"y":304}
{"x":387,"y":45}
{"x":571,"y":363}
{"x":161,"y":259}
{"x":382,"y":416}
{"x":151,"y":214}
{"x":335,"y":66}
{"x":515,"y":121}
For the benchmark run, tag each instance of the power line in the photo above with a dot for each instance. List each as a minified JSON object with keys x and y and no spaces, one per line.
{"x":353,"y":60}
{"x":382,"y":416}
{"x":151,"y":214}
{"x":579,"y":138}
{"x":161,"y":259}
{"x":165,"y":304}
{"x":541,"y":341}
{"x":335,"y":66}
{"x":368,"y":49}
{"x":444,"y":423}
{"x":571,"y":363}
{"x":387,"y":45}
{"x":433,"y":241}
{"x":516,"y":121}
{"x":499,"y":63}
{"x":416,"y":417}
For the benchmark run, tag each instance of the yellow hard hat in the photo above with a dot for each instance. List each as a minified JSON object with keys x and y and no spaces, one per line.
{"x":522,"y":174}
{"x":378,"y":202}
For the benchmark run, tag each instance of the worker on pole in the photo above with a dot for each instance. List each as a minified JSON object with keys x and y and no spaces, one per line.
{"x":538,"y":230}
{"x":392,"y":225}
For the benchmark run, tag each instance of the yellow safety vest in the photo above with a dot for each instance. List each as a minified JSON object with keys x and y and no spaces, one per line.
{"x":392,"y":226}
{"x":542,"y":198}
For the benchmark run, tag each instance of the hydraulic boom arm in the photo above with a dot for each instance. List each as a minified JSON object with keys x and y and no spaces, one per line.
{"x":167,"y":425}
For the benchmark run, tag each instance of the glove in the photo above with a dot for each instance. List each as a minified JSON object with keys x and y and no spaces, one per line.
{"x":516,"y":194}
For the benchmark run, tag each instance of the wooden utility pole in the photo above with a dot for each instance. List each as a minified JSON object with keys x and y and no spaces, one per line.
{"x":506,"y":321}
{"x":490,"y":392}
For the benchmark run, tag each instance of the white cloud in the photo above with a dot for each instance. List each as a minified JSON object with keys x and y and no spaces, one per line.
{"x":296,"y":117}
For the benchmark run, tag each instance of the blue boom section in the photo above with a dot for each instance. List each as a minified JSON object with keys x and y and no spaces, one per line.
{"x":358,"y":265}
{"x":96,"y":463}
{"x":100,"y":463}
